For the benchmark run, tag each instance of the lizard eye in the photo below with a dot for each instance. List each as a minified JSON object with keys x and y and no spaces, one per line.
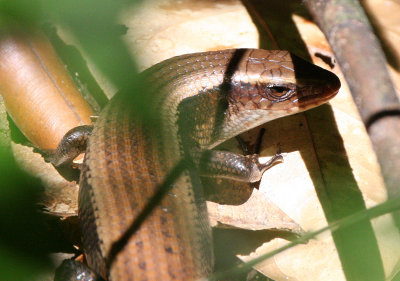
{"x":279,"y":93}
{"x":278,"y":90}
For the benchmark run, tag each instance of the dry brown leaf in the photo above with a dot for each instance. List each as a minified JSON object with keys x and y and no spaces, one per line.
{"x":162,"y":29}
{"x":257,"y":213}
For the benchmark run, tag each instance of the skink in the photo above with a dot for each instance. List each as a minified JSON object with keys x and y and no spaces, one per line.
{"x":200,"y":100}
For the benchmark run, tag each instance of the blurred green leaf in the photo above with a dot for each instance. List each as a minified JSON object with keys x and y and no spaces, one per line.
{"x":25,"y":241}
{"x":23,"y":244}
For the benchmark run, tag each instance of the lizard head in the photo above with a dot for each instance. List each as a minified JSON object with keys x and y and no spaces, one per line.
{"x":280,"y":83}
{"x":266,"y":85}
